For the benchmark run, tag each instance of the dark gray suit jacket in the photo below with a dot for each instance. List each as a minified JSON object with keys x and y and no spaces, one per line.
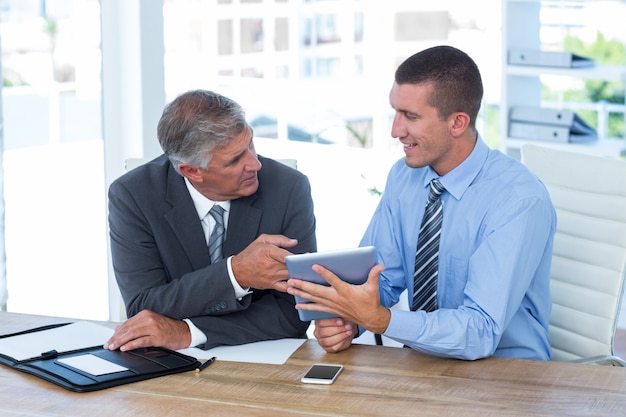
{"x":161,"y":260}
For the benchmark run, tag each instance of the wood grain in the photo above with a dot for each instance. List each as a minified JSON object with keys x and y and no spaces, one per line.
{"x":376,"y":381}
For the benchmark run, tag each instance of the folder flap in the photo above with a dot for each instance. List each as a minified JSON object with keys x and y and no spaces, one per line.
{"x":581,"y":128}
{"x":50,"y":341}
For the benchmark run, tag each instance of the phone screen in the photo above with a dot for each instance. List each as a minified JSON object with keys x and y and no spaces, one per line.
{"x":322,"y":374}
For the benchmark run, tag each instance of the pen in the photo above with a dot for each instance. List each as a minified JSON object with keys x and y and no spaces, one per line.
{"x":205,"y":364}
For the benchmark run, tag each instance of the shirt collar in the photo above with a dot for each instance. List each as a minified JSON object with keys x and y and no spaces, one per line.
{"x":460,"y":178}
{"x":203,"y":204}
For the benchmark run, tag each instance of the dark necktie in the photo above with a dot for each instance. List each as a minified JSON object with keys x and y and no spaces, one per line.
{"x":427,"y":256}
{"x":216,"y":239}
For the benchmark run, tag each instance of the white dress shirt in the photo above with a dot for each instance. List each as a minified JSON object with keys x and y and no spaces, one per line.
{"x":203,"y":205}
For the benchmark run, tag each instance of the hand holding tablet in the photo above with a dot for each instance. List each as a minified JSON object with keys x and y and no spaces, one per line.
{"x":351,"y":265}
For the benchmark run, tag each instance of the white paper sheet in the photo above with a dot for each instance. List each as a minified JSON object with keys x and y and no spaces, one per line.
{"x":274,"y":352}
{"x":92,"y":364}
{"x":80,"y":334}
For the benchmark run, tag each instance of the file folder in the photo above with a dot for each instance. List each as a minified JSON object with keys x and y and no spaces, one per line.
{"x":88,"y":368}
{"x":552,"y":125}
{"x":548,"y":133}
{"x":536,"y":131}
{"x":542,"y":115}
{"x":548,"y":59}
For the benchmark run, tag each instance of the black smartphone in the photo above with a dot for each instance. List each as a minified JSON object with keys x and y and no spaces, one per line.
{"x":322,"y":373}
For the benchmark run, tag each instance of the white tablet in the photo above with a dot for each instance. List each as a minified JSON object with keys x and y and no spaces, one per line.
{"x":351,"y":265}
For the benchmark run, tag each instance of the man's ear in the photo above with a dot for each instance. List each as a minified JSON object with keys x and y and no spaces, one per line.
{"x":460,"y":123}
{"x":191,"y":172}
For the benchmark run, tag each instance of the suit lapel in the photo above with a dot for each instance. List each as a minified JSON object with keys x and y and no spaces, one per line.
{"x":184,"y":222}
{"x":243,"y":224}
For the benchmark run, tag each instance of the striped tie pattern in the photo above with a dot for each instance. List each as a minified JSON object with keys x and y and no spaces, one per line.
{"x":216,"y":240}
{"x":427,"y":256}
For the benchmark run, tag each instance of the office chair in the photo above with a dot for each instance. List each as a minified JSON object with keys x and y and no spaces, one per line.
{"x":292,"y":163}
{"x":132,"y":163}
{"x":129,"y":164}
{"x":589,"y":254}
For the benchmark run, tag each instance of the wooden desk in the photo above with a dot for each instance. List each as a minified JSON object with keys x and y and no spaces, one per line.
{"x":377,"y":381}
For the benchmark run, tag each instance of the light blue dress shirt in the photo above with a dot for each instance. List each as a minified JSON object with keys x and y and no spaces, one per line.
{"x":494,"y":258}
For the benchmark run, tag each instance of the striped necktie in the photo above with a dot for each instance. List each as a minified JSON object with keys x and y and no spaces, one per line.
{"x":427,"y":256}
{"x":216,"y":240}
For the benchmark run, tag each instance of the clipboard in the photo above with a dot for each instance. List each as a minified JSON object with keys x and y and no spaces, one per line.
{"x":74,"y":369}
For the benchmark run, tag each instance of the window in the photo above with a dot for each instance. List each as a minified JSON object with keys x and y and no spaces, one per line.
{"x":313,"y":75}
{"x":55,"y":226}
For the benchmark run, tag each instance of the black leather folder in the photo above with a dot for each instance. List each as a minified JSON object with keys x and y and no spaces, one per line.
{"x":138,"y":365}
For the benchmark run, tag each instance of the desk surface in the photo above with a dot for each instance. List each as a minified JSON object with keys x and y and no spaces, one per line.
{"x":376,"y":381}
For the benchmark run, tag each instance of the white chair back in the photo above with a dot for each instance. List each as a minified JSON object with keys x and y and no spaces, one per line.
{"x":292,"y":163}
{"x":589,"y":255}
{"x":132,"y":163}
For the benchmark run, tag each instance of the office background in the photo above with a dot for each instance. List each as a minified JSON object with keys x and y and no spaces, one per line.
{"x":85,"y":82}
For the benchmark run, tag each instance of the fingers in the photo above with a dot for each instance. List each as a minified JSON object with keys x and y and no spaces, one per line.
{"x":281,"y":286}
{"x":307,"y":290}
{"x":374,"y":274}
{"x":277,"y":240}
{"x":331,"y":278}
{"x":149,"y":329}
{"x":334,"y":335}
{"x":124,"y":338}
{"x":126,"y":344}
{"x":261,"y":265}
{"x":329,"y":326}
{"x":312,"y":291}
{"x":355,"y":303}
{"x":132,"y":334}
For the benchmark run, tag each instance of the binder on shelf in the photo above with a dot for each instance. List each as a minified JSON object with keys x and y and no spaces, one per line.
{"x":548,"y":59}
{"x":58,"y":354}
{"x":551,"y":125}
{"x":539,"y":132}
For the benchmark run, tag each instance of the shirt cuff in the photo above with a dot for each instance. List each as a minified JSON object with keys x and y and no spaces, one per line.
{"x":239,"y":292}
{"x":197,"y":336}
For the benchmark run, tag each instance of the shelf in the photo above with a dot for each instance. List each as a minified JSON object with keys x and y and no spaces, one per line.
{"x":524,"y":23}
{"x":600,"y":72}
{"x":614,"y":148}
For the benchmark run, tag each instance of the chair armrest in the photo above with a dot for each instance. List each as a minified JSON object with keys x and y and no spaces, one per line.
{"x":603,"y":359}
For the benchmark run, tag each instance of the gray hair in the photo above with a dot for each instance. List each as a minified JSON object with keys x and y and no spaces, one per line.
{"x":196,"y":123}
